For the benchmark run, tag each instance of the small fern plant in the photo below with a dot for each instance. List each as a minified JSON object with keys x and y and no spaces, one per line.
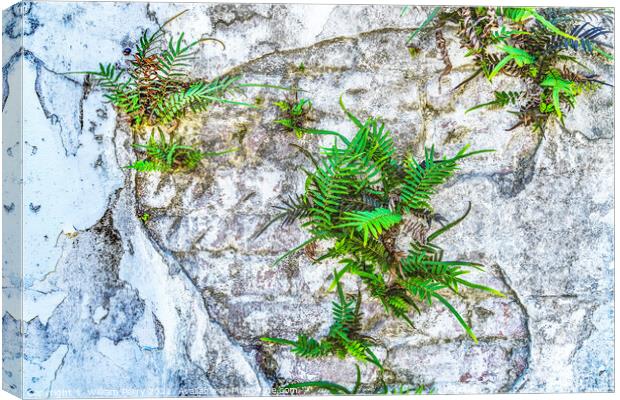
{"x":344,"y":337}
{"x":336,"y":388}
{"x":374,"y":208}
{"x":169,"y":155}
{"x":545,"y":48}
{"x":294,"y":114}
{"x":330,"y":387}
{"x":155,"y":88}
{"x":403,"y":389}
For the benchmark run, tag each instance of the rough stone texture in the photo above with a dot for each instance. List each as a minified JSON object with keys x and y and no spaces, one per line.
{"x":176,"y":306}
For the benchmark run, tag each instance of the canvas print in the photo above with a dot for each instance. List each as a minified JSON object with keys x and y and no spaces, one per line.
{"x":205,"y":199}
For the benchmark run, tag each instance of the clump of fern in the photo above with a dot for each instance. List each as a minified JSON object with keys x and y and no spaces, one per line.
{"x":544,"y":48}
{"x":330,"y":387}
{"x":294,"y":114}
{"x":344,"y":338}
{"x":169,"y":155}
{"x":154,"y":87}
{"x":374,"y":209}
{"x":336,"y":388}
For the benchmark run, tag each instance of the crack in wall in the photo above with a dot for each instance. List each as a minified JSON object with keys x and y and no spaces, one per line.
{"x":521,"y":379}
{"x":62,"y":363}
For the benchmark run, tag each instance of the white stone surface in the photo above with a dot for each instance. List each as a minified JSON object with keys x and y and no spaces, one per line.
{"x":176,"y":306}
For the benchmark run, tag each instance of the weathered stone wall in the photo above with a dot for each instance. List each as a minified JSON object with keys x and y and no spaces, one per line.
{"x":177,"y":305}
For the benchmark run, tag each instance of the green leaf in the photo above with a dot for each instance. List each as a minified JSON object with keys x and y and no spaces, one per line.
{"x":600,"y":51}
{"x":502,"y":99}
{"x":480,"y":287}
{"x":349,"y":114}
{"x":370,"y":222}
{"x":520,"y":57}
{"x":358,"y":379}
{"x":421,"y":179}
{"x":458,"y":317}
{"x":559,"y":86}
{"x":544,"y":22}
{"x":294,"y":250}
{"x":279,"y":341}
{"x":326,"y":132}
{"x":427,"y":21}
{"x":449,"y":226}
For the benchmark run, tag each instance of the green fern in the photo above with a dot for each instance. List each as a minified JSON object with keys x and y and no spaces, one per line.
{"x":370,"y":222}
{"x":344,"y":338}
{"x":502,"y":99}
{"x":197,"y":97}
{"x":519,"y":56}
{"x":148,"y":166}
{"x":294,"y":115}
{"x":519,"y":15}
{"x":358,"y":198}
{"x":156,"y":89}
{"x":422,"y":179}
{"x":335,"y":388}
{"x":504,"y":34}
{"x":544,"y":48}
{"x":167,"y":155}
{"x":559,"y":87}
{"x":174,"y":61}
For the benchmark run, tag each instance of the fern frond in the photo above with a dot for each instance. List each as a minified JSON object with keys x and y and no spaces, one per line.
{"x":559,"y":86}
{"x":520,"y":14}
{"x":372,"y":251}
{"x":370,"y":222}
{"x":167,"y":154}
{"x":426,"y":290}
{"x":502,"y":99}
{"x":148,"y":166}
{"x":513,"y":54}
{"x":431,"y":16}
{"x":359,"y":350}
{"x":147,"y":42}
{"x":381,"y":151}
{"x":587,"y":40}
{"x":423,"y":178}
{"x":174,"y":60}
{"x":399,"y":305}
{"x":292,"y":209}
{"x":157,"y":88}
{"x":343,"y":314}
{"x":304,"y":346}
{"x":569,"y":15}
{"x":107,"y":76}
{"x":503,"y":34}
{"x":327,"y":187}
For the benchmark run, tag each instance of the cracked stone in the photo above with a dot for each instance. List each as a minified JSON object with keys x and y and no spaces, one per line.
{"x":177,"y":306}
